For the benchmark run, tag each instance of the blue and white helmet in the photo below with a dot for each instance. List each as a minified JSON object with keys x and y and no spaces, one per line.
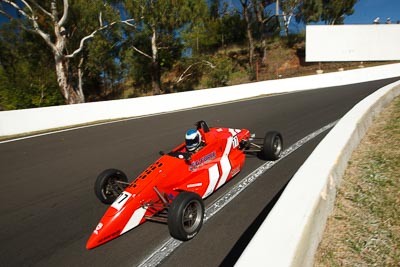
{"x":193,"y":139}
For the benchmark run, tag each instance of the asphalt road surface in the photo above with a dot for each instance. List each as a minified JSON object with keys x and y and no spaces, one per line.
{"x":48,"y":208}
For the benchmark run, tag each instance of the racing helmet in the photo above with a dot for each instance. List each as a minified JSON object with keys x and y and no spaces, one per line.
{"x":192,"y":139}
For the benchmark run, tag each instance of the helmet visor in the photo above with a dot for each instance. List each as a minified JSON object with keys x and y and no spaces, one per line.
{"x":192,"y":144}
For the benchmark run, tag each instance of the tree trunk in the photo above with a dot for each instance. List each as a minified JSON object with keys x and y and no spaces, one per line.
{"x":249,"y":35}
{"x":80,"y":79}
{"x":259,"y":11}
{"x":155,"y":66}
{"x":251,"y":41}
{"x":67,"y":90}
{"x":265,"y":52}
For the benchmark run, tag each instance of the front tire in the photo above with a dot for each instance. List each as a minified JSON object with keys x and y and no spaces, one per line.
{"x":272,"y":146}
{"x":109,"y":185}
{"x":185,"y":216}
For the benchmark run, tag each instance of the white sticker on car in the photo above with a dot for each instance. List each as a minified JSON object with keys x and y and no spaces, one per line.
{"x":121,"y":200}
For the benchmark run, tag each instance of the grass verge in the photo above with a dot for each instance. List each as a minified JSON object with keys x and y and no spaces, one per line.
{"x":364,"y":227}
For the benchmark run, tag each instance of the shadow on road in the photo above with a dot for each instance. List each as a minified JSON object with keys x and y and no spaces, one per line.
{"x":246,"y":237}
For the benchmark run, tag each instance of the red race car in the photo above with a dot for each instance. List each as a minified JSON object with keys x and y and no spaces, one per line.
{"x":172,"y":189}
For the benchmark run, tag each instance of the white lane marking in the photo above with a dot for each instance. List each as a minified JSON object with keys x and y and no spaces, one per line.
{"x":170,"y":244}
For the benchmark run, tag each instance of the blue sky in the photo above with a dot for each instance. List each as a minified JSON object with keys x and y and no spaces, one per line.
{"x":367,"y":10}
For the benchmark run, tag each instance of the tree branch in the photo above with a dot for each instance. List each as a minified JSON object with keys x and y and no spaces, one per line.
{"x":208,"y":63}
{"x":65,"y":14}
{"x":141,"y":52}
{"x":90,"y":36}
{"x":6,"y":15}
{"x":18,"y":8}
{"x":41,"y":8}
{"x":127,"y":22}
{"x":183,"y":76}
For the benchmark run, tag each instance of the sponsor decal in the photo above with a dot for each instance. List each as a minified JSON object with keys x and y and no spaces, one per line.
{"x":200,"y":162}
{"x":235,"y":171}
{"x":113,"y":235}
{"x":194,"y":185}
{"x":98,"y":228}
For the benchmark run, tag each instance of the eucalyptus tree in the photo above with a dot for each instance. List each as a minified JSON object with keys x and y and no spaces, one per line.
{"x":334,"y":11}
{"x":309,"y":11}
{"x":247,"y":15}
{"x":63,"y":36}
{"x":289,"y":10}
{"x":257,"y":18}
{"x":263,"y":16}
{"x":329,"y":11}
{"x":161,"y":20}
{"x":27,"y":77}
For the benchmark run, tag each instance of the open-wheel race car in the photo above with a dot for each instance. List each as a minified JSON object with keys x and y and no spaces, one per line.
{"x":172,"y":189}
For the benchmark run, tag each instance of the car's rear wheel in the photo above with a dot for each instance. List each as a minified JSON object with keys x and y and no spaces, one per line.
{"x":109,"y":185}
{"x":185,"y":216}
{"x":272,"y":146}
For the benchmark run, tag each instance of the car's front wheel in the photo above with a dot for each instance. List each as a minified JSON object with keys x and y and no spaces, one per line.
{"x":185,"y":216}
{"x":109,"y":185}
{"x":272,"y":146}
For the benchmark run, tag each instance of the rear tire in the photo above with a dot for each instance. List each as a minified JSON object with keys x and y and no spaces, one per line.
{"x":185,"y":216}
{"x":107,"y":188}
{"x":272,"y":146}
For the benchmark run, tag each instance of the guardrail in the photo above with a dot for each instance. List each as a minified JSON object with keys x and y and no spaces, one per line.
{"x":38,"y":119}
{"x":290,"y":234}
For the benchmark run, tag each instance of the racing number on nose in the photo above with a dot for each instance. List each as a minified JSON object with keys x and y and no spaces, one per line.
{"x":121,"y":200}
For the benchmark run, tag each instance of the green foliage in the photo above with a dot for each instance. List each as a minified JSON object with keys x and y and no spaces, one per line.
{"x":139,"y":67}
{"x":212,"y":34}
{"x":165,"y":14}
{"x":27,"y":76}
{"x":102,"y":73}
{"x":309,"y":11}
{"x":330,"y":11}
{"x":199,"y":71}
{"x":189,"y":72}
{"x":190,"y":34}
{"x":81,"y":21}
{"x":334,"y":11}
{"x":219,"y":74}
{"x":156,"y":37}
{"x":232,"y":29}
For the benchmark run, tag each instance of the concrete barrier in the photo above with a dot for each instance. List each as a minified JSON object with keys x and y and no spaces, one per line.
{"x":292,"y":231}
{"x":38,"y":119}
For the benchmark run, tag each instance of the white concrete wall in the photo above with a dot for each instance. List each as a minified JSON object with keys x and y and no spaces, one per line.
{"x":352,"y":42}
{"x":30,"y":120}
{"x":292,"y":231}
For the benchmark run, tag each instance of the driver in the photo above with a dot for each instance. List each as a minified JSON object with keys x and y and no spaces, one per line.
{"x":193,"y":141}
